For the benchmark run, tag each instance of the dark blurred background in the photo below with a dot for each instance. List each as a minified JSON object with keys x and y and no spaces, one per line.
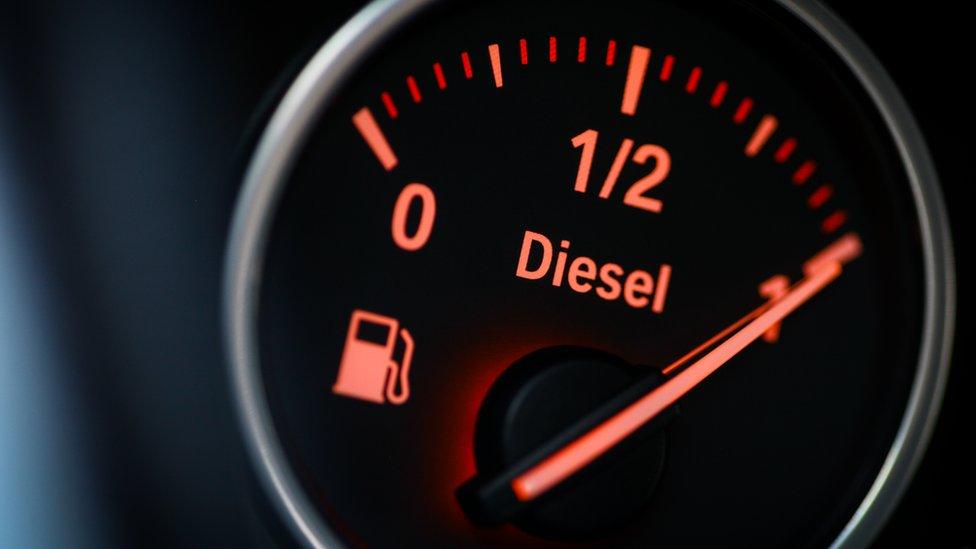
{"x":124,"y":127}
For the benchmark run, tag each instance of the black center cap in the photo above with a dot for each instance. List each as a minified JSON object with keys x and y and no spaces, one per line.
{"x":536,"y":400}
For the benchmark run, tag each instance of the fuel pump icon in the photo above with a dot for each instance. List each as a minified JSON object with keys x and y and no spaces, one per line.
{"x":368,"y":370}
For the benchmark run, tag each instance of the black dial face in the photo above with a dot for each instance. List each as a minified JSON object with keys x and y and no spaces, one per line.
{"x":617,"y":272}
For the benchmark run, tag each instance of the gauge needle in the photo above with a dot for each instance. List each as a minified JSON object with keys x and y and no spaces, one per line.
{"x":576,"y":455}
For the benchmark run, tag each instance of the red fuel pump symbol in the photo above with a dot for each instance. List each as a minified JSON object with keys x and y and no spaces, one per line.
{"x":368,"y":369}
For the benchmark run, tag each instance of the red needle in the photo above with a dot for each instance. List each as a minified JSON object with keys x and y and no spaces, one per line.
{"x":578,"y":454}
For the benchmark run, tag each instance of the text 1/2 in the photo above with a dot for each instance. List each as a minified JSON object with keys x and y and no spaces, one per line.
{"x":636,"y":194}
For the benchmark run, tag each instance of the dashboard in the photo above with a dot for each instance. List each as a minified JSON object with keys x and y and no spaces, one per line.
{"x":442,"y":273}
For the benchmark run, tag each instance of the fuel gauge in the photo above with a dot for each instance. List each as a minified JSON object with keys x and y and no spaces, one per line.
{"x":626,"y":272}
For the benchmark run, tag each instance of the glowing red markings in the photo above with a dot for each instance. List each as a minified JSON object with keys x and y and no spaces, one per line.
{"x":439,"y":76}
{"x":785,"y":150}
{"x":367,"y":369}
{"x":693,"y":78}
{"x":742,"y":111}
{"x":496,"y":64}
{"x":633,"y":87}
{"x":636,"y":70}
{"x":844,"y":250}
{"x":820,"y":196}
{"x":773,"y":289}
{"x":611,"y":52}
{"x":804,"y":172}
{"x":539,"y":259}
{"x":370,"y":130}
{"x":388,"y":104}
{"x":718,"y":96}
{"x":414,"y":90}
{"x":834,"y":221}
{"x":666,"y":68}
{"x":635,"y":196}
{"x":401,"y":213}
{"x":636,"y":193}
{"x":587,"y":140}
{"x":574,"y":456}
{"x":767,"y":125}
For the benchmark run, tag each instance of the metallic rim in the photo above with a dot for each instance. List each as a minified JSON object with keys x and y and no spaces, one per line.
{"x":322,"y":77}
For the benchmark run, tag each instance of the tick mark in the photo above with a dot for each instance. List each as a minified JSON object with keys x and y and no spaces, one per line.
{"x":742,"y":112}
{"x":820,"y":196}
{"x":804,"y":172}
{"x":785,"y":150}
{"x":370,"y":130}
{"x":666,"y":68}
{"x":767,"y":125}
{"x":692,"y":85}
{"x":611,"y":52}
{"x":388,"y":104}
{"x":834,"y":221}
{"x":414,"y":90}
{"x":496,"y":64}
{"x":718,"y":96}
{"x":439,"y":76}
{"x":639,"y":58}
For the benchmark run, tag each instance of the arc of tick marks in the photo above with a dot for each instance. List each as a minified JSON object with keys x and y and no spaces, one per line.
{"x":574,"y":456}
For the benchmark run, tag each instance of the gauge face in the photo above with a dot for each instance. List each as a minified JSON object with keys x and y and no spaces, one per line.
{"x":604,"y":272}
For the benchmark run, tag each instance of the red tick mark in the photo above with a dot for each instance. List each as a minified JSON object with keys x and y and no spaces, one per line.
{"x":496,"y":64}
{"x":414,"y":90}
{"x":834,"y":221}
{"x":636,"y":70}
{"x":785,"y":150}
{"x":718,"y":96}
{"x":804,"y":172}
{"x":820,"y":196}
{"x":388,"y":103}
{"x":370,"y":130}
{"x":692,"y":85}
{"x":667,"y":67}
{"x":439,"y":76}
{"x":742,"y":112}
{"x":611,"y":52}
{"x":767,"y":125}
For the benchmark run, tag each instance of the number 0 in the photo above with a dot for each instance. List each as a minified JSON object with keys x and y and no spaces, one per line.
{"x":401,"y":211}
